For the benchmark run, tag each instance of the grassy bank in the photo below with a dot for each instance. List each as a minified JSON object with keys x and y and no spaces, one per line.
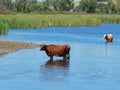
{"x":44,"y":20}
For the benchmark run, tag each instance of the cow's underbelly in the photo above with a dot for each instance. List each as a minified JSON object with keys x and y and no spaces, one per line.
{"x":59,"y":55}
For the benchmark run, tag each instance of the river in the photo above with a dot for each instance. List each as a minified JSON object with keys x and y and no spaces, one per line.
{"x":94,"y":64}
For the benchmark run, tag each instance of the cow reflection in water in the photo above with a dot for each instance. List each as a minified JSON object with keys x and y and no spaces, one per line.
{"x":60,"y":63}
{"x":54,"y":70}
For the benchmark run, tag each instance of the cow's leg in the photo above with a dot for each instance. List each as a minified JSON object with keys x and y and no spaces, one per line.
{"x":51,"y":58}
{"x":66,"y":57}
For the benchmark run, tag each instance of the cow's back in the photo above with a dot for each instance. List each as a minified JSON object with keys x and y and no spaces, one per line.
{"x":58,"y":50}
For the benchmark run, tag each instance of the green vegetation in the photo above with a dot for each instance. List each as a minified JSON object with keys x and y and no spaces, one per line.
{"x":3,"y":26}
{"x":68,"y":6}
{"x":46,"y":13}
{"x":44,"y":20}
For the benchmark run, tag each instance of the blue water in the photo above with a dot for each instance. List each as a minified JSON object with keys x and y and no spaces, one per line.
{"x":94,"y":64}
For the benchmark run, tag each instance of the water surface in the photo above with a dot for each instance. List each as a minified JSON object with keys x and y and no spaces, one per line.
{"x":94,"y":64}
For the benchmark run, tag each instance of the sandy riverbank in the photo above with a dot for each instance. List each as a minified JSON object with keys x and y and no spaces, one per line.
{"x":12,"y":46}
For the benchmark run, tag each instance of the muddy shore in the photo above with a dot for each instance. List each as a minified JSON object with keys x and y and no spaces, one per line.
{"x":12,"y":46}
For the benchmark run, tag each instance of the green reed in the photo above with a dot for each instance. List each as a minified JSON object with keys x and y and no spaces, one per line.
{"x":44,"y":20}
{"x":3,"y":26}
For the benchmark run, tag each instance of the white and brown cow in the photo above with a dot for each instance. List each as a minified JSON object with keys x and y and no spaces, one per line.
{"x":108,"y":37}
{"x":56,"y":50}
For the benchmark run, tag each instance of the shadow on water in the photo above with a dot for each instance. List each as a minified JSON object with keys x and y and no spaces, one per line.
{"x":54,"y":70}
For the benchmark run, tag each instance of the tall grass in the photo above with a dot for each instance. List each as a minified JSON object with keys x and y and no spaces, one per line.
{"x":3,"y":26}
{"x":44,"y":20}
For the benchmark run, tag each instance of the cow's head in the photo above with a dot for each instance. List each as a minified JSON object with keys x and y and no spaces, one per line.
{"x":42,"y":47}
{"x":105,"y":36}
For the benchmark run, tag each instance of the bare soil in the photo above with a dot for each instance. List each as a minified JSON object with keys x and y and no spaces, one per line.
{"x":12,"y":46}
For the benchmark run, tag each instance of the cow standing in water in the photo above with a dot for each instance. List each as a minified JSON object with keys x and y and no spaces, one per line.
{"x":56,"y":50}
{"x":108,"y":37}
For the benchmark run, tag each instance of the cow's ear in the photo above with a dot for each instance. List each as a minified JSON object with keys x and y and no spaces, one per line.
{"x":40,"y":45}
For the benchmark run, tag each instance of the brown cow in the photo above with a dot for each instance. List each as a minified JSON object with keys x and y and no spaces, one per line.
{"x":56,"y":50}
{"x":108,"y":37}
